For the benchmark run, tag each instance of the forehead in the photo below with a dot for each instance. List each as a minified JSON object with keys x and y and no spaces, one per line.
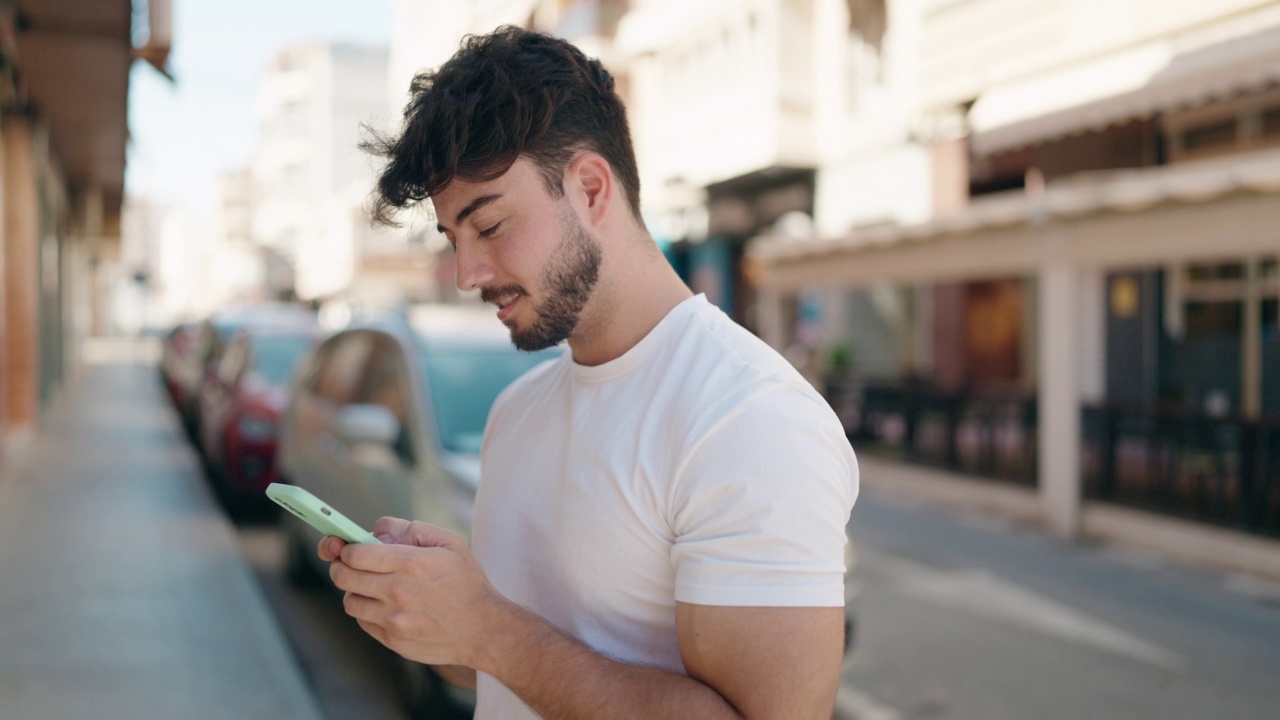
{"x":518,"y":181}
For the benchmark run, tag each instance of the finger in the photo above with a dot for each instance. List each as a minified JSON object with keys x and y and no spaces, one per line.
{"x":354,"y":580}
{"x":360,"y":607}
{"x":330,"y":548}
{"x":391,"y":527}
{"x":374,"y":630}
{"x":382,"y":560}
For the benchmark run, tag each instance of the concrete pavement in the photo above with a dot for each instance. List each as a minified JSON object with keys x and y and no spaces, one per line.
{"x":122,"y":591}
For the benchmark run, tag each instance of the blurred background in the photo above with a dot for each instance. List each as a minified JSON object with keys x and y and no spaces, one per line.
{"x":1029,"y":250}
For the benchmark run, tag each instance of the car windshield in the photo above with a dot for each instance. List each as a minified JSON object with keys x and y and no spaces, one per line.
{"x":275,"y":356}
{"x":464,"y":382}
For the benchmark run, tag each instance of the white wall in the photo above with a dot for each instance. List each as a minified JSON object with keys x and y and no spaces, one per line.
{"x":891,"y":185}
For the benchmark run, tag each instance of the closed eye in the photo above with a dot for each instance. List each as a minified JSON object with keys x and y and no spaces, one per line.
{"x":491,"y":230}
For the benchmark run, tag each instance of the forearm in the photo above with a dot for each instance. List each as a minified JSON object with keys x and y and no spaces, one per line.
{"x":457,"y":675}
{"x":562,"y":679}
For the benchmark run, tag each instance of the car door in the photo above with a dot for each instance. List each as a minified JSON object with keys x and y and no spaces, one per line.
{"x":318,"y":458}
{"x":384,"y":470}
{"x":216,"y":398}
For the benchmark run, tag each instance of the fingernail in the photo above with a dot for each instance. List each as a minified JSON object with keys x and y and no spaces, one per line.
{"x":386,"y":539}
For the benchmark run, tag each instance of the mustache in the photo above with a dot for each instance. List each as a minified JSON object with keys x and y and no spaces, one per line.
{"x":491,"y":294}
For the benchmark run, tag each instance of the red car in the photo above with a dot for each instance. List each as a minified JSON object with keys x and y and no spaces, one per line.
{"x":176,"y":347}
{"x":240,"y":407}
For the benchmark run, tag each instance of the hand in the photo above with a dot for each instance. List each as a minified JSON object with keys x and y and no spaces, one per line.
{"x":330,"y":547}
{"x":424,"y":596}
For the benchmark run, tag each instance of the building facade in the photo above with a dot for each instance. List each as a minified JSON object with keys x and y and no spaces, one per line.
{"x":312,"y":104}
{"x":1094,"y":231}
{"x":62,"y":184}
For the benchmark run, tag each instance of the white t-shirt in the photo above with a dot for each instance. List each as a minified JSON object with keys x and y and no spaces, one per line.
{"x":699,"y":467}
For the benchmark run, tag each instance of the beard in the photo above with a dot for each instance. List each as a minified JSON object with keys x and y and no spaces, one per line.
{"x":568,"y":281}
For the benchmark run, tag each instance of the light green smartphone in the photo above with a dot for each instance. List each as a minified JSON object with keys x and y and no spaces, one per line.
{"x":316,"y":513}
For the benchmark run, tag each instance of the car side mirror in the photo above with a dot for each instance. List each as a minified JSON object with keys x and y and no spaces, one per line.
{"x":368,"y":423}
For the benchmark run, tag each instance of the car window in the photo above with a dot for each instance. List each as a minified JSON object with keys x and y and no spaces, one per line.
{"x":385,"y":382}
{"x":276,"y":356}
{"x":232,"y":362}
{"x":340,"y":372}
{"x":463,"y":384}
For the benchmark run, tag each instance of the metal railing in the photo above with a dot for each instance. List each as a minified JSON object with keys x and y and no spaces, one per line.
{"x":1222,"y":471}
{"x":992,"y":435}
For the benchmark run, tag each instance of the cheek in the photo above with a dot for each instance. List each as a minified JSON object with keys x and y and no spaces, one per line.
{"x":525,"y":254}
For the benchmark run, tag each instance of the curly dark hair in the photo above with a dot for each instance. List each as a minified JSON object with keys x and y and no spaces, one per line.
{"x":509,"y":93}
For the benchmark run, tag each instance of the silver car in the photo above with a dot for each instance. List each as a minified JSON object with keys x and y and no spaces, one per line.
{"x":386,"y":418}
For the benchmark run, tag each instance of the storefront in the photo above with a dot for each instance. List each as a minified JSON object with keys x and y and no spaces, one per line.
{"x":1153,"y":288}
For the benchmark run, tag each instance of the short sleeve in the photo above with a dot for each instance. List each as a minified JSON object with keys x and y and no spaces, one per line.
{"x":760,"y":504}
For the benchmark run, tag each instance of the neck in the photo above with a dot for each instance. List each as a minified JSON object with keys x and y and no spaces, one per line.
{"x":637,"y":289}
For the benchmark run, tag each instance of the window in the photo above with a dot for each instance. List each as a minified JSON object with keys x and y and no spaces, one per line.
{"x":276,"y":356}
{"x":384,"y":381}
{"x":868,"y":23}
{"x":1271,"y":123}
{"x":232,"y":362}
{"x":463,"y":384}
{"x":337,"y":377}
{"x":1220,"y":135}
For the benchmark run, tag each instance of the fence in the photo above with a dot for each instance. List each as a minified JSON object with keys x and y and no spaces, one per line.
{"x":1223,"y":471}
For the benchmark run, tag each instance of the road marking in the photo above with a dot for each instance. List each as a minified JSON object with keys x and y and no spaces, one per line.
{"x":987,"y":595}
{"x":1255,"y":588}
{"x":1137,"y":558}
{"x":853,"y":704}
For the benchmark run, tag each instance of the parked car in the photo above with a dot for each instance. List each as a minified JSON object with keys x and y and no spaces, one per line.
{"x":192,"y":369}
{"x":240,"y":407}
{"x":175,"y":347}
{"x":386,"y":418}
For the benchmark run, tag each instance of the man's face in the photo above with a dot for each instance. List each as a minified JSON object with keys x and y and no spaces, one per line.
{"x":526,"y":251}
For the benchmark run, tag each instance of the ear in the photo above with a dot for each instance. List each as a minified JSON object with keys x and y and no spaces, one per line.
{"x":589,"y":181}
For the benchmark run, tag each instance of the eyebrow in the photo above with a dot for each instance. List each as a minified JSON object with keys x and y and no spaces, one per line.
{"x":471,"y":208}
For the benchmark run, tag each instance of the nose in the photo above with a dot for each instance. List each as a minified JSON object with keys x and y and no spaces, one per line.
{"x":474,"y":268}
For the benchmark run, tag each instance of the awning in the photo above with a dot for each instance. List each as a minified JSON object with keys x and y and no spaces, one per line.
{"x":74,"y":57}
{"x":1142,"y":216}
{"x":1138,"y":83}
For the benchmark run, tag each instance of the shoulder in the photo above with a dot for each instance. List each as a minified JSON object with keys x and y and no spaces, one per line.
{"x":734,"y":372}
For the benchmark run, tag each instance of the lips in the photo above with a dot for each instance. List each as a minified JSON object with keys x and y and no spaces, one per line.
{"x":506,"y":305}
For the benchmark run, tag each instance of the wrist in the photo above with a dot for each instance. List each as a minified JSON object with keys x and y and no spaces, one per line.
{"x":510,"y":633}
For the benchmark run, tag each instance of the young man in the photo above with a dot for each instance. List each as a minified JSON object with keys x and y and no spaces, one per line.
{"x":660,"y":526}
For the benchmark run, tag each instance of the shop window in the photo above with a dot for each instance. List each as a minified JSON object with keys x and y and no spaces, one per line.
{"x":1270,"y":124}
{"x":1214,"y":137}
{"x":1203,"y":273}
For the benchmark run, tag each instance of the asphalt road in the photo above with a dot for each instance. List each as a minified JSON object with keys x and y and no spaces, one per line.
{"x":962,"y":618}
{"x":959,"y":618}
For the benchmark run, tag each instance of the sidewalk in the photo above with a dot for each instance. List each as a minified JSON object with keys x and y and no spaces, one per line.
{"x":1171,"y":538}
{"x":122,"y":591}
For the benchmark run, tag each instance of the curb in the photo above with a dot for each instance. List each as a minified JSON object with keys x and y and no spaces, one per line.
{"x":1172,"y":538}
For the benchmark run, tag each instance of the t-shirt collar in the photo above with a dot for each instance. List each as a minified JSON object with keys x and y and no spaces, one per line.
{"x":641,"y":351}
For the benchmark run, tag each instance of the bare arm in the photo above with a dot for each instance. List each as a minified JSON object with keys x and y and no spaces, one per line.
{"x":742,"y":663}
{"x":431,"y":603}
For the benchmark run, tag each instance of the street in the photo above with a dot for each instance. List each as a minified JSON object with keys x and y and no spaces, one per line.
{"x":974,"y":619}
{"x":959,"y":617}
